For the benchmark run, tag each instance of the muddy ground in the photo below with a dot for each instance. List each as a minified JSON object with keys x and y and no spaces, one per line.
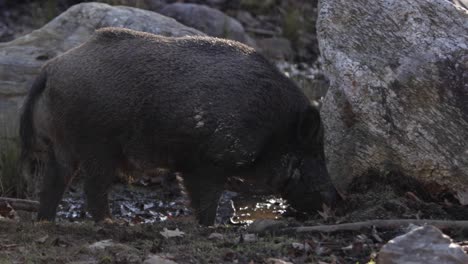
{"x":146,"y":218}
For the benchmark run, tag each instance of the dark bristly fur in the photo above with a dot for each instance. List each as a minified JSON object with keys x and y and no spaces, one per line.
{"x":207,"y":107}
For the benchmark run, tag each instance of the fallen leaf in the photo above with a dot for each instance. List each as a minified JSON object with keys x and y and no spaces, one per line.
{"x":6,"y":247}
{"x":376,"y":236}
{"x":412,"y":196}
{"x":7,"y":211}
{"x":42,"y":240}
{"x":326,"y":213}
{"x":172,"y":233}
{"x":301,"y":246}
{"x":229,"y":256}
{"x":462,"y":197}
{"x":277,"y":261}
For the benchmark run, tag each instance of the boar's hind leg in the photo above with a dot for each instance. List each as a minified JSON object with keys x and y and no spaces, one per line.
{"x":99,"y":172}
{"x":205,"y":187}
{"x":56,"y":177}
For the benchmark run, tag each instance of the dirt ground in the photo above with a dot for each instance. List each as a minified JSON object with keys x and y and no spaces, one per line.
{"x":387,"y":196}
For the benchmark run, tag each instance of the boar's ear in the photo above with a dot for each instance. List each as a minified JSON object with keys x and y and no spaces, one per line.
{"x":309,"y":127}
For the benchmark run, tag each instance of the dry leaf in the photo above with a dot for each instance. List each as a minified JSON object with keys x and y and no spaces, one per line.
{"x":172,"y":233}
{"x":42,"y":240}
{"x":462,"y":197}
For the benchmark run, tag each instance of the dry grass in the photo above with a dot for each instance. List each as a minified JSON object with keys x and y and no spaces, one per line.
{"x":11,"y":183}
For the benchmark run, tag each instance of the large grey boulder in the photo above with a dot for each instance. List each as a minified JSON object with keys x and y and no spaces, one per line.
{"x":21,"y":59}
{"x":422,"y":245}
{"x":398,"y":96}
{"x":208,"y":20}
{"x":461,"y":3}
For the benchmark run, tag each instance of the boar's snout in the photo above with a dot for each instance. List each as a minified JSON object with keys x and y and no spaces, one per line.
{"x":311,"y":202}
{"x":310,"y":187}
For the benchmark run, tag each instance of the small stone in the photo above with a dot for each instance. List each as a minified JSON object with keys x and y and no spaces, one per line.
{"x":249,"y":238}
{"x":301,"y":246}
{"x":216,"y":236}
{"x":156,"y":259}
{"x":266,"y":225}
{"x":276,"y":261}
{"x":100,"y":245}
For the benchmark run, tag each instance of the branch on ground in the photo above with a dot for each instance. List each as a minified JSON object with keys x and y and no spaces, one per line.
{"x":394,"y":223}
{"x":21,"y":204}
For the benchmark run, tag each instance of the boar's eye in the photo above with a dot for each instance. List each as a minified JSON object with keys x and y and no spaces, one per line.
{"x":309,"y":129}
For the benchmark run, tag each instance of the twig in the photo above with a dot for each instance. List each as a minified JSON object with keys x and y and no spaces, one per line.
{"x":379,"y":224}
{"x":21,"y":204}
{"x":8,"y":246}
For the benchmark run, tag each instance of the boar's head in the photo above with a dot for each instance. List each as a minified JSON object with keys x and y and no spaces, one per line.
{"x":308,"y":185}
{"x":299,"y":169}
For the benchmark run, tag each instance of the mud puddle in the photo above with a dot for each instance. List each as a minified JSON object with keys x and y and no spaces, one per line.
{"x":138,"y":204}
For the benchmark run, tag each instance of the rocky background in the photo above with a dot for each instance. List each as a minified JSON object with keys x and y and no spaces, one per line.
{"x":398,"y":94}
{"x":392,"y":77}
{"x":283,"y":29}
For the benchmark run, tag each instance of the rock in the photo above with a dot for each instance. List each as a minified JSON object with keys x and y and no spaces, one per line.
{"x":21,"y":59}
{"x":247,"y":18}
{"x":461,"y":3}
{"x":100,"y":245}
{"x":208,"y":20}
{"x":216,"y":236}
{"x":156,"y":259}
{"x":276,"y":261}
{"x":425,"y":245}
{"x":310,"y":78}
{"x":154,"y":5}
{"x":122,"y":253}
{"x":398,"y":96}
{"x":246,"y":238}
{"x":301,"y":247}
{"x":5,"y":31}
{"x":266,"y":225}
{"x":275,"y":48}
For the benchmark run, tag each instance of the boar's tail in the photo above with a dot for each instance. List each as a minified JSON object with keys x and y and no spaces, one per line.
{"x":26,"y":129}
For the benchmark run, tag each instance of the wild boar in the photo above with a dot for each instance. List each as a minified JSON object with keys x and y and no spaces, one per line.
{"x":209,"y":108}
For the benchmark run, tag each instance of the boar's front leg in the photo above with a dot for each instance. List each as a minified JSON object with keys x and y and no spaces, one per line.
{"x":205,"y":187}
